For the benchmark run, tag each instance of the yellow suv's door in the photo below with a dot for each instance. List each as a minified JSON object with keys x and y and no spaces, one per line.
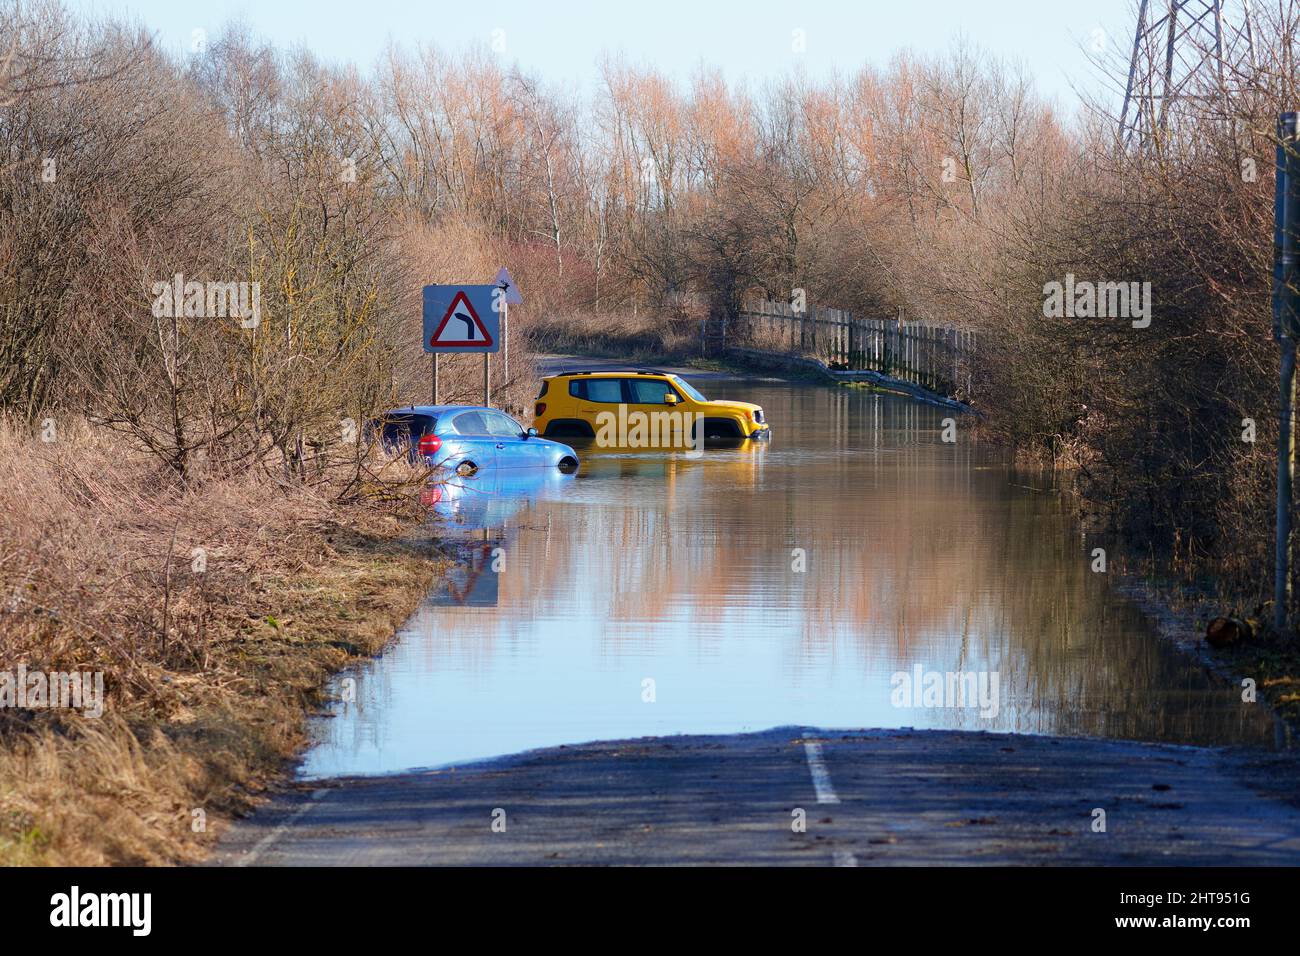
{"x":667,"y":423}
{"x":593,"y":396}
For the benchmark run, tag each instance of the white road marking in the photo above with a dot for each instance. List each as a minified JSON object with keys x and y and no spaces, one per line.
{"x":845,"y":858}
{"x":820,"y":778}
{"x":266,"y":841}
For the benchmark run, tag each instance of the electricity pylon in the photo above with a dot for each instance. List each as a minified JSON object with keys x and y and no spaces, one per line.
{"x":1184,"y":50}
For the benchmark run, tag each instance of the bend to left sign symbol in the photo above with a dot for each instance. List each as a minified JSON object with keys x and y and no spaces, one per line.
{"x":460,"y":319}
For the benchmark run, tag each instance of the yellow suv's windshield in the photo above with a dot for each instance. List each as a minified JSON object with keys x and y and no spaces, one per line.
{"x":690,"y":390}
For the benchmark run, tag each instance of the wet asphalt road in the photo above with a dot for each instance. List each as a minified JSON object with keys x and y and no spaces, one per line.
{"x":868,"y":798}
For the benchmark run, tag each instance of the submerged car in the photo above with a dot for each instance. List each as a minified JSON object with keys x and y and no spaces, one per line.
{"x":494,"y":496}
{"x":569,"y":404}
{"x":466,"y":438}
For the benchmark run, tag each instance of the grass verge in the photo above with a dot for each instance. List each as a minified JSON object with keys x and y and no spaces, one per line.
{"x":214,"y":613}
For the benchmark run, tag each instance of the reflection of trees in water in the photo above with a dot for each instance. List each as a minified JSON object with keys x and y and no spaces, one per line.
{"x":918,"y":552}
{"x":425,"y":644}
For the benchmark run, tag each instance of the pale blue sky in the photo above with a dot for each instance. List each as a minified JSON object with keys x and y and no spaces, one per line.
{"x":747,"y":40}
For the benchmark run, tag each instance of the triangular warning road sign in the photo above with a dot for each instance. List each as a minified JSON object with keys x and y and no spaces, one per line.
{"x":461,"y":325}
{"x":503,"y":281}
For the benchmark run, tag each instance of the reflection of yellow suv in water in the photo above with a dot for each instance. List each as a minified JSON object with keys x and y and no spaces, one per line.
{"x":569,"y":405}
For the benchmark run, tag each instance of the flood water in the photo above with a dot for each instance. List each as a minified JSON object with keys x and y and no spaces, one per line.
{"x":653,"y":593}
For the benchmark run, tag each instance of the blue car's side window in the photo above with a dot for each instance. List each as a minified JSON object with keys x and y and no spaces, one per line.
{"x":503,"y":426}
{"x":469,"y":423}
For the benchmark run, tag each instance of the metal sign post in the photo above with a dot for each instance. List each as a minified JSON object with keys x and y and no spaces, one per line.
{"x":1286,"y":328}
{"x":507,"y":295}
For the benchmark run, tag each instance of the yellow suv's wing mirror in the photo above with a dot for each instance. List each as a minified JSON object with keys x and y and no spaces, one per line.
{"x":670,"y":398}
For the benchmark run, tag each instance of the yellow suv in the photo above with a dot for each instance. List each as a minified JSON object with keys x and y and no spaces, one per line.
{"x":587,"y":404}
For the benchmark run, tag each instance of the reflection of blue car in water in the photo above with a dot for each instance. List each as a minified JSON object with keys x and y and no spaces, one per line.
{"x":466,"y":439}
{"x":490,"y":498}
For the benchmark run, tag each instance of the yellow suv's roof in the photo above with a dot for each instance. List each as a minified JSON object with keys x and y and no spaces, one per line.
{"x":615,"y":373}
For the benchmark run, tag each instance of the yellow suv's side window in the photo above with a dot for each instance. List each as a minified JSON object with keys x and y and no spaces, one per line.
{"x":649,"y":391}
{"x":597,"y":389}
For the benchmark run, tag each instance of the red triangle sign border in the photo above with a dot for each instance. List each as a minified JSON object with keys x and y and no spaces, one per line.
{"x":460,"y":296}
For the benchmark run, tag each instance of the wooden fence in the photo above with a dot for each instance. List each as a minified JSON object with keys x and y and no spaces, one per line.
{"x":933,"y":357}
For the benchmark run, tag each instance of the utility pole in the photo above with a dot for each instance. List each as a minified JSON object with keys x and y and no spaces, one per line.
{"x":1286,"y":328}
{"x":1183,"y":50}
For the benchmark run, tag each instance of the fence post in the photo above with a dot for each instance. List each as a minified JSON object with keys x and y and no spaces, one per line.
{"x":972,"y":344}
{"x":904,"y":356}
{"x":932,"y":336}
{"x":956,"y":359}
{"x":930,"y":331}
{"x":896,"y":360}
{"x":915,"y":339}
{"x":908,"y":352}
{"x":920,"y":356}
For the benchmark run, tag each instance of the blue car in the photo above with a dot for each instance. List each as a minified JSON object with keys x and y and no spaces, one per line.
{"x":466,"y":438}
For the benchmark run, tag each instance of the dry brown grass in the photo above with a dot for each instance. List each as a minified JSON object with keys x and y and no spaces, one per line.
{"x":208,"y":673}
{"x":636,"y":336}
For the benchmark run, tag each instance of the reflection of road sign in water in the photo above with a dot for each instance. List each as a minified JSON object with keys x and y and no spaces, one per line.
{"x":471,"y":582}
{"x":460,"y":318}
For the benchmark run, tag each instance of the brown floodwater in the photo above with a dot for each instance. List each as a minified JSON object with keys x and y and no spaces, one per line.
{"x":808,"y":581}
